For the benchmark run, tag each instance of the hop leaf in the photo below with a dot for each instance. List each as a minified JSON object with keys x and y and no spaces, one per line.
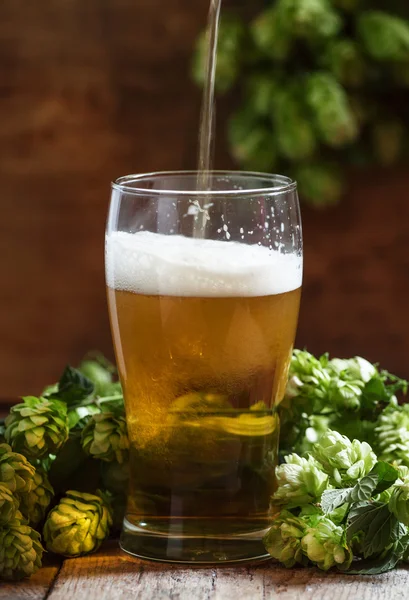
{"x":385,"y":37}
{"x":283,"y":540}
{"x":343,"y":460}
{"x":77,"y":525}
{"x":300,"y":481}
{"x":37,"y":426}
{"x":15,"y":471}
{"x":34,"y":504}
{"x":330,"y":109}
{"x":99,"y":374}
{"x":324,"y":544}
{"x":20,"y":549}
{"x":8,"y":504}
{"x":392,"y":434}
{"x":105,"y":437}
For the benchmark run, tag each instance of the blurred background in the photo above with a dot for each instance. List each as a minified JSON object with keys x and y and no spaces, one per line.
{"x":93,"y":90}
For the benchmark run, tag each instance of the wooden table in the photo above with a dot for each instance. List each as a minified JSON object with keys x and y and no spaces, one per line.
{"x":112,"y":575}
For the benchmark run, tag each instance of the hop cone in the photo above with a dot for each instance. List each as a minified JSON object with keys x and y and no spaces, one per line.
{"x":251,"y":142}
{"x":229,"y":52}
{"x":320,"y":184}
{"x":34,"y":504}
{"x":283,"y":541}
{"x":15,"y":470}
{"x":294,"y":133}
{"x":77,"y":525}
{"x":384,"y":37}
{"x":105,"y":437}
{"x":399,"y":500}
{"x":392,"y":435}
{"x":331,"y":110}
{"x":20,"y":549}
{"x":300,"y":481}
{"x":324,"y":544}
{"x":37,"y":426}
{"x":270,"y":38}
{"x":343,"y":460}
{"x":312,"y":19}
{"x":99,"y":374}
{"x":8,"y":504}
{"x":345,"y":62}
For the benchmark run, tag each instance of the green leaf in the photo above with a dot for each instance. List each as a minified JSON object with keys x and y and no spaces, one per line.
{"x":73,"y":387}
{"x":381,"y":532}
{"x":387,"y":475}
{"x":376,"y":522}
{"x":386,"y":562}
{"x":332,"y":499}
{"x":380,"y":478}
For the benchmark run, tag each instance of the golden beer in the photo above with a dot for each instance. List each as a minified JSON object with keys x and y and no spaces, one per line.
{"x":202,"y":376}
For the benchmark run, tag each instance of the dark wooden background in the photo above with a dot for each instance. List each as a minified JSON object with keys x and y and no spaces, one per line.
{"x":90,"y":90}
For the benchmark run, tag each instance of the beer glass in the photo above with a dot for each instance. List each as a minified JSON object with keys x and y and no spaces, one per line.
{"x":203,"y":293}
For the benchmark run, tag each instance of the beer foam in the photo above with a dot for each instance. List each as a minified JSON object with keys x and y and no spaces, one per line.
{"x":172,"y":265}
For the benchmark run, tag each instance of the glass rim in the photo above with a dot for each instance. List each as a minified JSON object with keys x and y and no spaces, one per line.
{"x":285,"y":184}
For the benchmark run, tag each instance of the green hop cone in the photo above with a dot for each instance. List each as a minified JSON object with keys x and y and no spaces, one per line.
{"x":34,"y":504}
{"x":8,"y":504}
{"x":270,"y":38}
{"x":37,"y":426}
{"x":343,"y":58}
{"x":392,"y":435}
{"x":20,"y":549}
{"x":300,"y":481}
{"x":105,"y":437}
{"x":399,"y":500}
{"x":330,"y":109}
{"x":251,"y":141}
{"x":324,"y":544}
{"x":311,"y":19}
{"x":320,"y":184}
{"x":77,"y":525}
{"x":308,"y":373}
{"x":230,"y":46}
{"x":384,"y":37}
{"x":15,"y":471}
{"x":343,"y":460}
{"x":283,"y":540}
{"x":293,"y":131}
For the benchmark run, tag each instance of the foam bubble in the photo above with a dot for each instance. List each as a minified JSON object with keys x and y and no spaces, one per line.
{"x":170,"y":265}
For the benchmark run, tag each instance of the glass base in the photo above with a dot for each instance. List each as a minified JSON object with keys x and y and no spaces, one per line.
{"x":204,"y":550}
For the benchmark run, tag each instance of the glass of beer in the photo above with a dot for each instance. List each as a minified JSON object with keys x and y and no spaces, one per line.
{"x":203,"y":292}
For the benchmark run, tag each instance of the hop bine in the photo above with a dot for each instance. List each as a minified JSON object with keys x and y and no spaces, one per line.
{"x":37,"y":426}
{"x":20,"y":549}
{"x":77,"y":525}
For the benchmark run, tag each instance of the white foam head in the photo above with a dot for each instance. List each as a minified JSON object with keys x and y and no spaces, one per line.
{"x":154,"y":264}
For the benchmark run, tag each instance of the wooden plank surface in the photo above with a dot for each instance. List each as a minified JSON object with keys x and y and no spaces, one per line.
{"x":112,"y":575}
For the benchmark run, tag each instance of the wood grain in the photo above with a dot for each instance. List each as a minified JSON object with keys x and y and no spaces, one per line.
{"x":112,"y":575}
{"x":35,"y":589}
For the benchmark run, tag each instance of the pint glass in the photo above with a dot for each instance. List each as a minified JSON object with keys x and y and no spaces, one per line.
{"x":203,"y":292}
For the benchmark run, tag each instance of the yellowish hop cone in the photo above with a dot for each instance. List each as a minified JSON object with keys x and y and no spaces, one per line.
{"x":77,"y":525}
